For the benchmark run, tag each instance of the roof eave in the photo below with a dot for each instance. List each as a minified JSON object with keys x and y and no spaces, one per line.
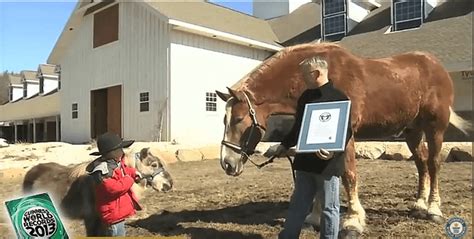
{"x":189,"y":27}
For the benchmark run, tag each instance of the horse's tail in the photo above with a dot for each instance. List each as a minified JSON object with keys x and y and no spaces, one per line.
{"x":459,"y":122}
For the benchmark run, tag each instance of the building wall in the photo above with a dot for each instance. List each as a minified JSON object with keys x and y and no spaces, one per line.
{"x":200,"y":65}
{"x":462,"y":92}
{"x":137,"y":61}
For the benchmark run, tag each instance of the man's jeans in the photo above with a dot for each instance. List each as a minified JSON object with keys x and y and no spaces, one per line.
{"x":306,"y":186}
{"x":116,"y":230}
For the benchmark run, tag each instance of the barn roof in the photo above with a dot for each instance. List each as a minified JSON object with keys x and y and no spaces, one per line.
{"x":36,"y":107}
{"x":219,"y":18}
{"x":299,"y":25}
{"x":47,"y":69}
{"x":29,"y":75}
{"x":14,"y":79}
{"x":446,"y":33}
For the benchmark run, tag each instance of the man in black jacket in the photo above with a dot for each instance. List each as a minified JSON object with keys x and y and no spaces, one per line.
{"x":316,"y":173}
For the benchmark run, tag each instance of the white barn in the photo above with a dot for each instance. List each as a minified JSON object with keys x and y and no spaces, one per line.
{"x":149,"y":70}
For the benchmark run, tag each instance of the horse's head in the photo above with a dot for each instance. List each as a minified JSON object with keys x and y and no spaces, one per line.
{"x":152,"y":170}
{"x":243,"y":130}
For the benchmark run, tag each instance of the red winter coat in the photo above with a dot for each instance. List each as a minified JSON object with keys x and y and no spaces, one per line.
{"x":114,"y":199}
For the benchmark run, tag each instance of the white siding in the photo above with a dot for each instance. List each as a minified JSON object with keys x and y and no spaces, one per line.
{"x":17,"y":93}
{"x":31,"y":89}
{"x":137,"y":61}
{"x":49,"y":85}
{"x":355,"y":14}
{"x":200,"y":65}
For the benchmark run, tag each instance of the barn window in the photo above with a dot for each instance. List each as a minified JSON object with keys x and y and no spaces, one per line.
{"x":334,"y":19}
{"x":106,"y":26}
{"x":211,"y":101}
{"x":11,"y":93}
{"x":75,"y":111}
{"x":144,"y":102}
{"x":407,"y":14}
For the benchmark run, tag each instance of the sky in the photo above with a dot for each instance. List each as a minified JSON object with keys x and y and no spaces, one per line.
{"x":29,"y":29}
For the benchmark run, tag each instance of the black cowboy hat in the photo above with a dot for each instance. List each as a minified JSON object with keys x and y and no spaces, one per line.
{"x":110,"y":141}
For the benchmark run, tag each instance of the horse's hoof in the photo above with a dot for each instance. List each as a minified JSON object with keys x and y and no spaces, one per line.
{"x":417,"y":213}
{"x":436,"y":218}
{"x":348,"y":234}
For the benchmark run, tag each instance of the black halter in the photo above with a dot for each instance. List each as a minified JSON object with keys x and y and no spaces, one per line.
{"x":253,"y":134}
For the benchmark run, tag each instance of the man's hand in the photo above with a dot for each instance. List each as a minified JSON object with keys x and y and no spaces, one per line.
{"x":324,"y":154}
{"x":275,"y":150}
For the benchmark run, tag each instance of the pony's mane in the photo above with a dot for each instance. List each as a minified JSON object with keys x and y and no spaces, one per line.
{"x":79,"y":170}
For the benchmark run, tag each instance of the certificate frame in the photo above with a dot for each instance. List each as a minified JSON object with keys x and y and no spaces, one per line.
{"x":307,"y":145}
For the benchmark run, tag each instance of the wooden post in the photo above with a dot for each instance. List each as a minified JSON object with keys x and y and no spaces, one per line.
{"x":16,"y":132}
{"x":45,"y":130}
{"x":34,"y":130}
{"x":57,"y":128}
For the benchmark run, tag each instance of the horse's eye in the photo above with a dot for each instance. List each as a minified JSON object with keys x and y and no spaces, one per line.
{"x":154,"y":165}
{"x":238,"y":120}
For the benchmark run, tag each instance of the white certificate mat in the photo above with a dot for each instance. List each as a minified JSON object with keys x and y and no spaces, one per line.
{"x":324,"y":126}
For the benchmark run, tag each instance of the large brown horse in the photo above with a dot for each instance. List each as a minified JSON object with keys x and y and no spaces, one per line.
{"x":410,"y":93}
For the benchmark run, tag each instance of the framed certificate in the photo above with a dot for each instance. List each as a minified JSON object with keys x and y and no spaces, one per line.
{"x":324,"y":126}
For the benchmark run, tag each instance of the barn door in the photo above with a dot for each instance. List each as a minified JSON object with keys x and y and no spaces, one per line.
{"x":106,"y":111}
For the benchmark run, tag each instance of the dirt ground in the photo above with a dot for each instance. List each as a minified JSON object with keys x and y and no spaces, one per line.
{"x":206,"y":203}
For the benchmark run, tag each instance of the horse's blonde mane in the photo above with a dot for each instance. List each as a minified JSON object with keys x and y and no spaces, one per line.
{"x":241,"y":85}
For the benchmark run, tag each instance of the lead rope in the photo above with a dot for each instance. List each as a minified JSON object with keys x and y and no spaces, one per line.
{"x":270,"y":160}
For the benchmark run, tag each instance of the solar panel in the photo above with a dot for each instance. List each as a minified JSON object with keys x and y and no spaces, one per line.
{"x":334,"y":6}
{"x":407,"y":14}
{"x":334,"y":24}
{"x":408,"y":10}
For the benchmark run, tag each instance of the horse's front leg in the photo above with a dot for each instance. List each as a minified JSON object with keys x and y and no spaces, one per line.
{"x":314,"y":218}
{"x":354,"y":220}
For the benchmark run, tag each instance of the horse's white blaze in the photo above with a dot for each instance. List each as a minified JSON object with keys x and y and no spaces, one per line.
{"x":228,"y":115}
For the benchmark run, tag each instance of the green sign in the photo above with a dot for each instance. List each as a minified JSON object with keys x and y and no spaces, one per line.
{"x":35,"y":217}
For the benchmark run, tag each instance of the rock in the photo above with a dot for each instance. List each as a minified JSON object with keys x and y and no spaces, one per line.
{"x":396,"y":151}
{"x":369,"y":150}
{"x":458,"y":155}
{"x":165,"y":157}
{"x":3,"y":143}
{"x":187,"y":155}
{"x":210,"y":152}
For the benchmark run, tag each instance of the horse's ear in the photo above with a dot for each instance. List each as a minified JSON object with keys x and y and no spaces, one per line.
{"x":225,"y":97}
{"x":233,"y":93}
{"x":144,"y":153}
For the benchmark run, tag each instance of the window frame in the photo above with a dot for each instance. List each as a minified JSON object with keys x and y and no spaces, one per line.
{"x":75,"y":110}
{"x":211,"y":102}
{"x":144,"y":100}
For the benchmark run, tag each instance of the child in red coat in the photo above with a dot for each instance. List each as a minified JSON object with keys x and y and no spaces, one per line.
{"x":114,"y":199}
